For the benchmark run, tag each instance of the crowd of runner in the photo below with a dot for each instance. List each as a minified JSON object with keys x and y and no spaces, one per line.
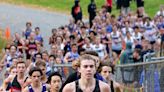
{"x":93,"y":48}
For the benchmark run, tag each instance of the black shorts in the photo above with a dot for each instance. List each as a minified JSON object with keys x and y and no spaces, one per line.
{"x":140,"y":3}
{"x":118,"y":52}
{"x":152,"y":42}
{"x":109,"y":9}
{"x":162,"y":38}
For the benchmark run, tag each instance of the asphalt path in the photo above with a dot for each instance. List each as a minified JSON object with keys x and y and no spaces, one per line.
{"x":16,"y":17}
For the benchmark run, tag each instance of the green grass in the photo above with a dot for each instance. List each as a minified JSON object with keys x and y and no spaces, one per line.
{"x":3,"y":41}
{"x":151,"y":6}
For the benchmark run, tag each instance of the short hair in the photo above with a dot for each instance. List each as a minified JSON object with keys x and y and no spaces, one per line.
{"x":91,"y":53}
{"x":136,"y":27}
{"x":86,"y":57}
{"x":20,"y":62}
{"x":113,"y":16}
{"x":137,"y":51}
{"x":53,"y":74}
{"x":14,"y":46}
{"x":14,"y":58}
{"x":40,"y":63}
{"x":12,"y":67}
{"x":34,"y":69}
{"x":74,"y":44}
{"x":60,"y":37}
{"x":71,"y":37}
{"x":46,"y":52}
{"x":52,"y":56}
{"x":83,"y":27}
{"x":38,"y":54}
{"x":37,"y":28}
{"x":93,"y":33}
{"x":106,"y":64}
{"x":28,"y":23}
{"x":94,"y":54}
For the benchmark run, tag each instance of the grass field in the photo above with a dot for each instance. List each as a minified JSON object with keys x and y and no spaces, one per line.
{"x":151,"y":6}
{"x":2,"y":41}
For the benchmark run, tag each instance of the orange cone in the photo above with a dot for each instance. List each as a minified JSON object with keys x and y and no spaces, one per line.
{"x":7,"y":33}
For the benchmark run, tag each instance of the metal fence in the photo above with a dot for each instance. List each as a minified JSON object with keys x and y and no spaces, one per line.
{"x":141,"y":77}
{"x":138,"y":77}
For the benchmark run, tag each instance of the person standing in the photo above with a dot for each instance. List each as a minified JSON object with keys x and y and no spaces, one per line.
{"x":118,"y":2}
{"x":109,"y":5}
{"x":92,"y":11}
{"x":76,"y":11}
{"x":125,"y":6}
{"x":140,"y":3}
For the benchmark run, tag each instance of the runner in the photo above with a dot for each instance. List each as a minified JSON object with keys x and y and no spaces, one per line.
{"x":18,"y":80}
{"x":87,"y":82}
{"x":36,"y":84}
{"x":55,"y":81}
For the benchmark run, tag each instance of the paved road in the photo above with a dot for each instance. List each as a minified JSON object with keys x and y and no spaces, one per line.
{"x":15,"y":17}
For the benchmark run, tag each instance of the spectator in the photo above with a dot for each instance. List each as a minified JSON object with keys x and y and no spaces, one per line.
{"x":125,"y":7}
{"x":140,"y":3}
{"x":119,"y":3}
{"x":109,"y":5}
{"x":161,"y":11}
{"x":138,"y":69}
{"x":92,"y":12}
{"x":137,"y":56}
{"x":126,"y":58}
{"x":76,"y":11}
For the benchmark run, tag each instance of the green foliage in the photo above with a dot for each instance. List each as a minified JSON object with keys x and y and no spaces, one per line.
{"x":2,"y":41}
{"x":151,"y":6}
